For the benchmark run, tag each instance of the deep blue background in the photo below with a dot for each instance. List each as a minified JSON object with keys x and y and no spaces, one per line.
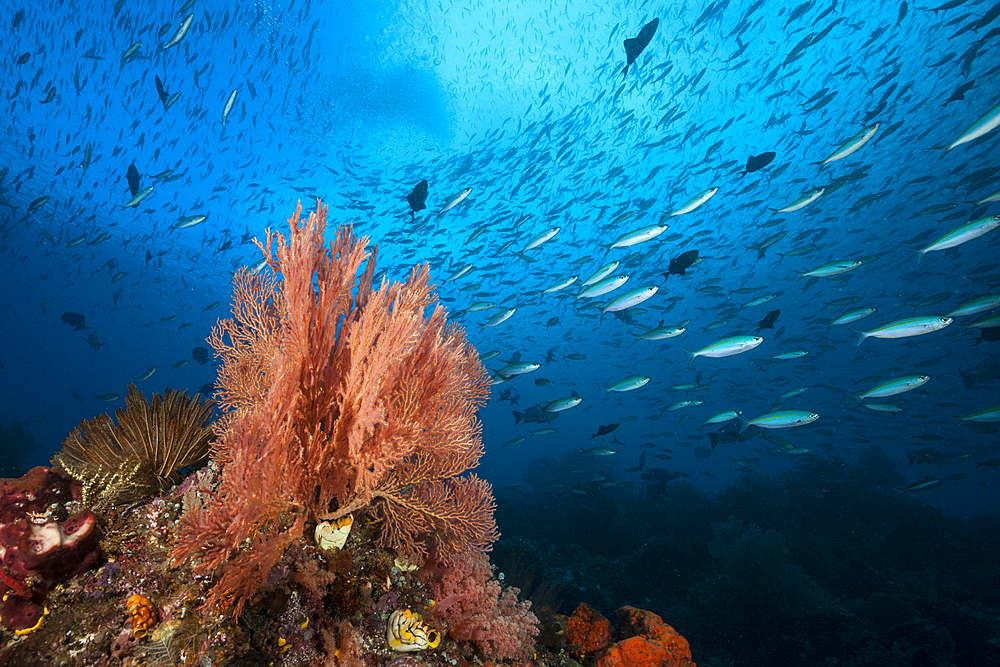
{"x":526,"y":104}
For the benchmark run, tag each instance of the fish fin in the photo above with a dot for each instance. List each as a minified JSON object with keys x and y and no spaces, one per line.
{"x":864,"y":336}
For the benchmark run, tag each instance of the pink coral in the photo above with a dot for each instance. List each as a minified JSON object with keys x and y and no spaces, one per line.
{"x":474,"y":608}
{"x":36,"y":550}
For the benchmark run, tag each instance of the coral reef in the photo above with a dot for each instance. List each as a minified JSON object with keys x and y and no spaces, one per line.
{"x":39,"y":545}
{"x":587,"y":631}
{"x":339,"y":399}
{"x":474,"y":607}
{"x":121,"y":463}
{"x":652,"y":643}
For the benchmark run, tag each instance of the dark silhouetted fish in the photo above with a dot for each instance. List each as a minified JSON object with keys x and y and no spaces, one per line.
{"x":417,"y":197}
{"x":94,"y":342}
{"x":757,"y":162}
{"x":604,"y":430}
{"x":164,"y":95}
{"x":959,"y":94}
{"x":768,"y":321}
{"x":206,"y":389}
{"x":680,"y":264}
{"x":200,"y":354}
{"x":533,"y":415}
{"x":990,"y":335}
{"x":731,"y":433}
{"x":633,"y":47}
{"x":133,"y":179}
{"x":74,"y":320}
{"x":987,"y":371}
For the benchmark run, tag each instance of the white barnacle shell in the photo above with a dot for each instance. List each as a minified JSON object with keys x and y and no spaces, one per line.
{"x":332,"y":536}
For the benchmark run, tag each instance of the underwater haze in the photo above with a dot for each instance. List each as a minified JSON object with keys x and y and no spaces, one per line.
{"x":724,"y":247}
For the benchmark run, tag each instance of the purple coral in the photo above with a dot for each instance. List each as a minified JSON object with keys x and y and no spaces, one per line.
{"x":36,"y":550}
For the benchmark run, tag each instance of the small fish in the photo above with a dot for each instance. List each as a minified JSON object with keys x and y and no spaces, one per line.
{"x":629,"y":300}
{"x":417,"y":197}
{"x":913,"y":326}
{"x":978,"y":305}
{"x":638,"y":236}
{"x":722,"y":417}
{"x":599,"y":451}
{"x":727,"y":347}
{"x":500,"y":317}
{"x":132,"y":176}
{"x":75,"y":320}
{"x":853,"y":316}
{"x":832,"y":269}
{"x":802,"y":201}
{"x":601,"y":273}
{"x":182,"y":30}
{"x":696,"y":201}
{"x":513,"y":442}
{"x":605,"y":429}
{"x":228,"y":108}
{"x":603,"y":287}
{"x":853,"y":144}
{"x":635,"y":45}
{"x":784,"y":419}
{"x":923,"y":485}
{"x":987,"y":123}
{"x":519,"y":368}
{"x":678,"y":265}
{"x":146,"y":374}
{"x":896,"y":386}
{"x":130,"y":53}
{"x":967,"y":232}
{"x":768,"y":321}
{"x":561,"y":404}
{"x":189,"y":221}
{"x":629,"y":384}
{"x":107,"y":398}
{"x":757,"y":162}
{"x":454,"y":201}
{"x":138,"y":197}
{"x":541,"y":238}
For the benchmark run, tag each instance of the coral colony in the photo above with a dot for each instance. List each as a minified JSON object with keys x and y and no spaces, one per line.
{"x":334,"y":522}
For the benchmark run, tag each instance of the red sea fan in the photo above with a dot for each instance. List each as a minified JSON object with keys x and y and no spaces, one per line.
{"x":475,"y":608}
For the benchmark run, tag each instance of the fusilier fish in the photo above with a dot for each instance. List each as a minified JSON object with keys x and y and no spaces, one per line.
{"x":853,"y":316}
{"x":182,"y":30}
{"x":970,"y":230}
{"x":802,"y":201}
{"x":852,"y":145}
{"x":728,"y":347}
{"x":500,"y":317}
{"x":783,"y":419}
{"x":638,"y":236}
{"x":832,"y":269}
{"x":454,"y":201}
{"x":601,"y":273}
{"x":228,"y":109}
{"x":989,"y":122}
{"x":541,"y":238}
{"x":561,"y":404}
{"x":911,"y":326}
{"x":896,"y":386}
{"x":629,"y":300}
{"x":696,"y":201}
{"x":607,"y":285}
{"x":138,"y":197}
{"x":630,"y":383}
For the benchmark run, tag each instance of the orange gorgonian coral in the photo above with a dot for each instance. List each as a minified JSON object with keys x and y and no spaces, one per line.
{"x":338,"y":398}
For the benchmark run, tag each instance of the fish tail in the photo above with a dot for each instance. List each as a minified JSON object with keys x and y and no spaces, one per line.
{"x":864,"y":336}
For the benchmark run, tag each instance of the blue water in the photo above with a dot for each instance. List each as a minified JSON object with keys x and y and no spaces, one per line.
{"x":526,"y":104}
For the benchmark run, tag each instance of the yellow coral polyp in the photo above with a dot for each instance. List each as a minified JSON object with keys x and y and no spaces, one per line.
{"x":407,"y":632}
{"x":142,"y":614}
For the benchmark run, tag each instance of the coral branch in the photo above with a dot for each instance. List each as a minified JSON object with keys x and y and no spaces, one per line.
{"x":338,"y":397}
